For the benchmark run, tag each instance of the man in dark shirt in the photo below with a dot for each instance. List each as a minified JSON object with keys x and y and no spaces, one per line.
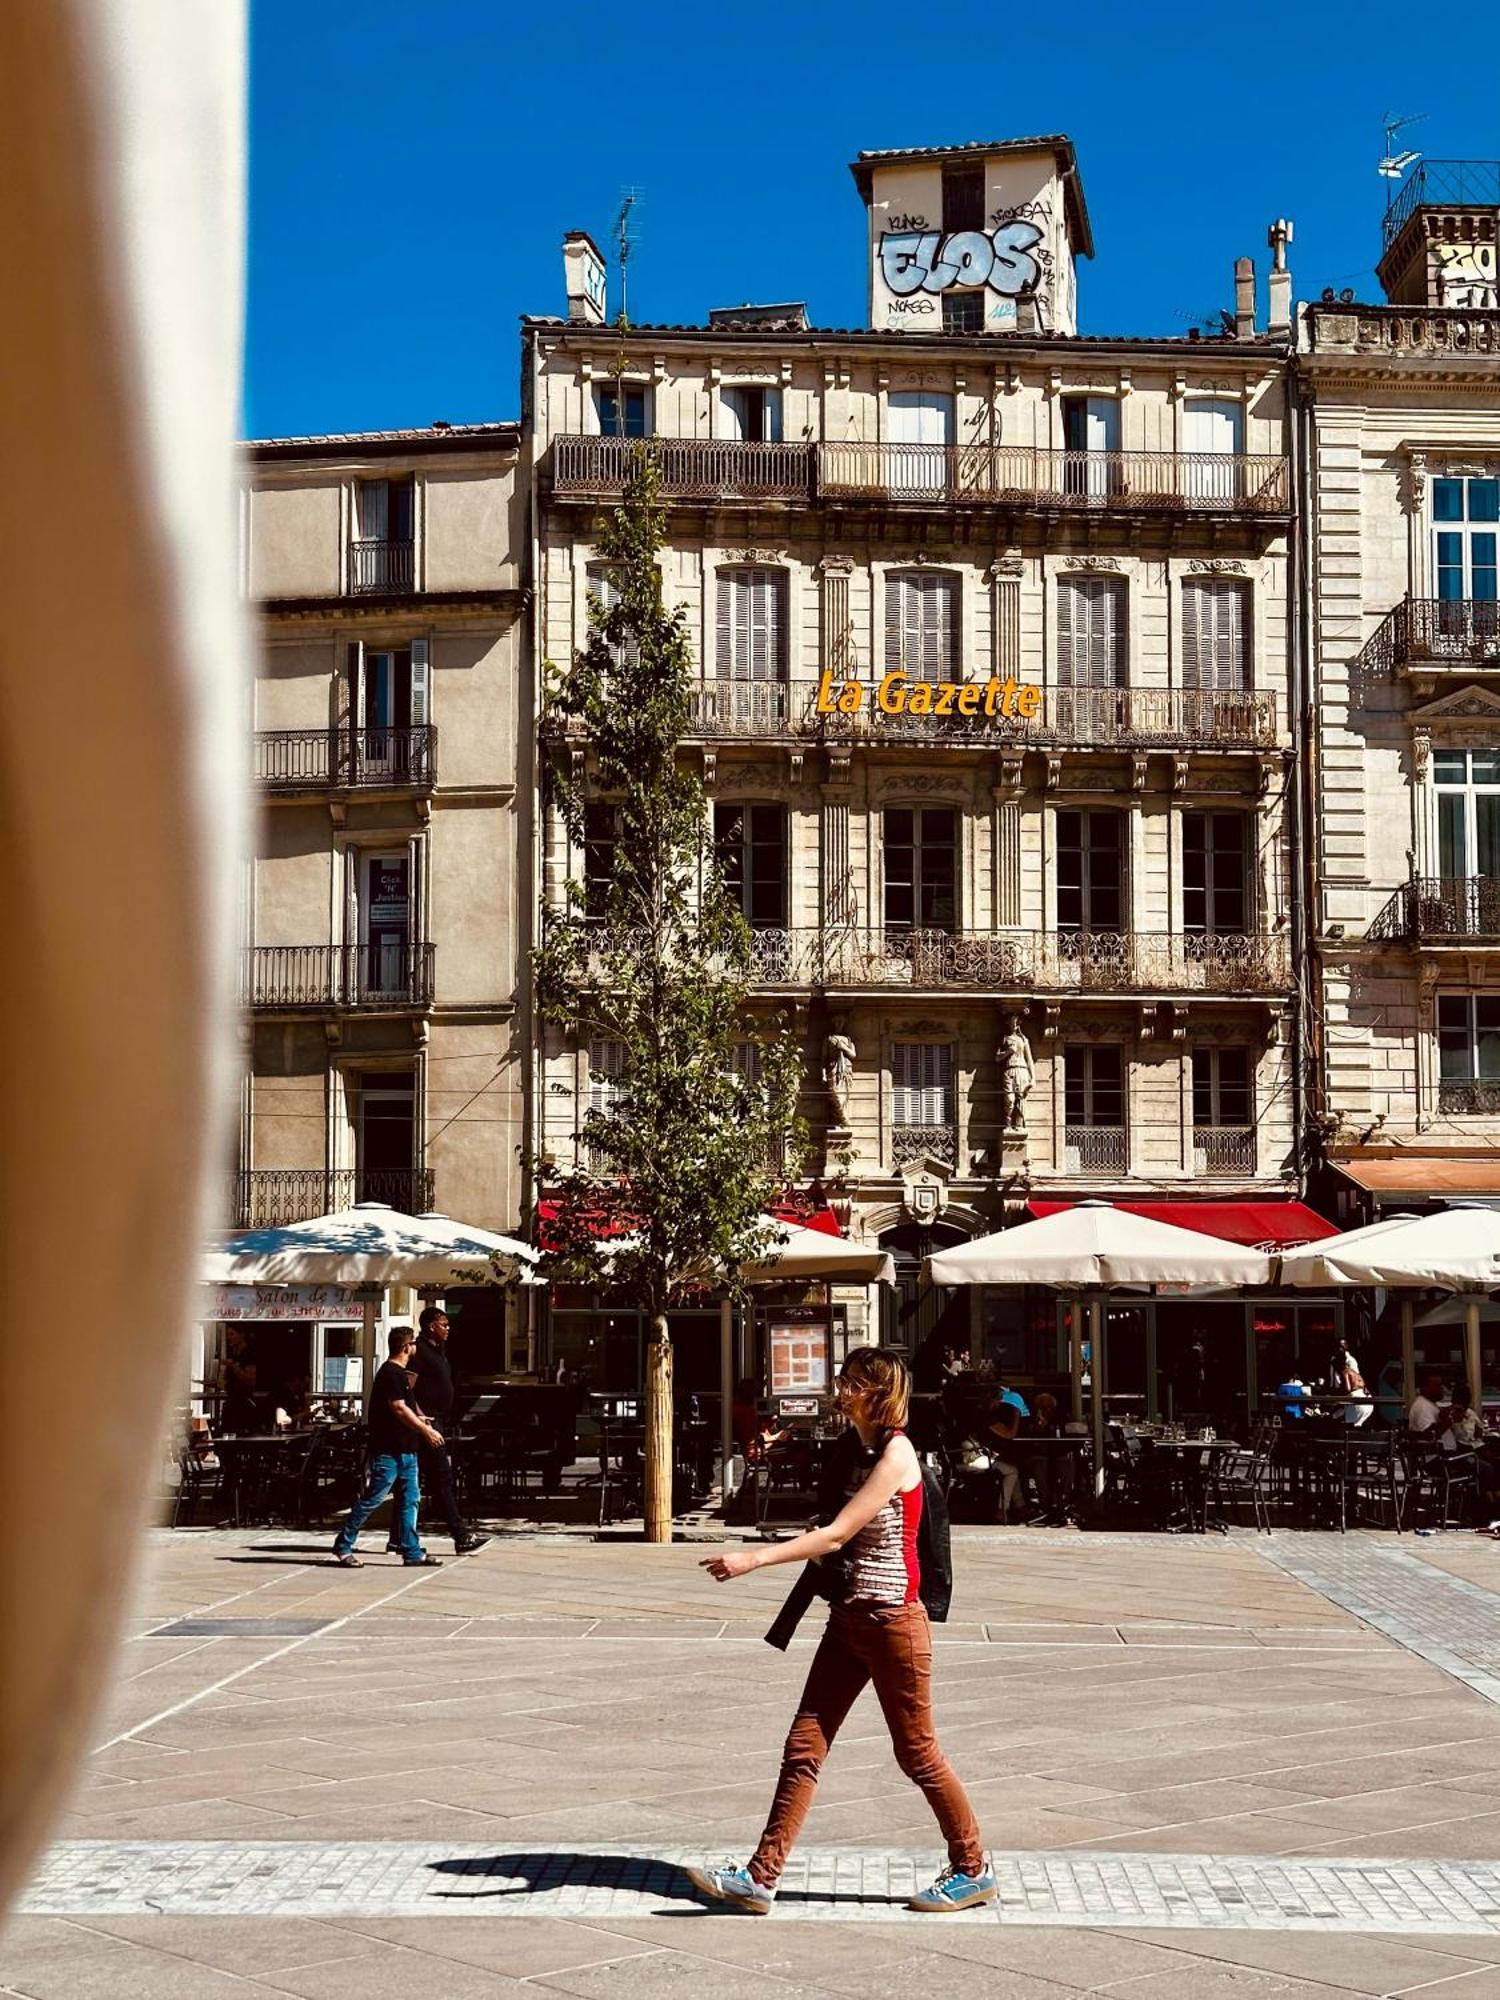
{"x":434,"y":1397}
{"x":395,"y":1429}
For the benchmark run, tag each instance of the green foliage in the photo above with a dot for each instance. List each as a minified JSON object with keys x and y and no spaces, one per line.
{"x":680,"y":1164}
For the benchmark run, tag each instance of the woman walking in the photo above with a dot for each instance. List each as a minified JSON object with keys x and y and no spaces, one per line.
{"x":877,"y":1631}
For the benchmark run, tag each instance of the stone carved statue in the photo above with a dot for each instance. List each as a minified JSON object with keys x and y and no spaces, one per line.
{"x":838,"y":1070}
{"x":1017,"y":1074}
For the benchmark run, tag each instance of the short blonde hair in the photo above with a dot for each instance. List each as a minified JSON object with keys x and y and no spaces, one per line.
{"x":882,"y":1383}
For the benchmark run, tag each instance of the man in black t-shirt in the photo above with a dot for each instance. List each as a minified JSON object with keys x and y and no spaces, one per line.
{"x":396,"y":1427}
{"x":434,"y":1397}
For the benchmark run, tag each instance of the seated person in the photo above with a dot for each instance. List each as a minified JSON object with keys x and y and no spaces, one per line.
{"x":1425,"y":1413}
{"x":1050,"y":1472}
{"x":1462,"y":1426}
{"x":1003,"y":1423}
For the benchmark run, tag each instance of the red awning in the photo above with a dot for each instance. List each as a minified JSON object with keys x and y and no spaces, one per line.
{"x":600,"y":1226}
{"x":1263,"y":1225}
{"x":822,"y":1219}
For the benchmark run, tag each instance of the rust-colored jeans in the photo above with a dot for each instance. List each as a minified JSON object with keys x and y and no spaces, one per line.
{"x":890,"y":1645}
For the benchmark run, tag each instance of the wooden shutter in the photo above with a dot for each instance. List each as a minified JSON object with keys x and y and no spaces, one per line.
{"x":1214,"y":650}
{"x":1068,"y":608}
{"x":751,"y":641}
{"x":922,"y":1079}
{"x":1090,"y":632}
{"x":920,"y":621}
{"x":421,"y":683}
{"x":724,"y":627}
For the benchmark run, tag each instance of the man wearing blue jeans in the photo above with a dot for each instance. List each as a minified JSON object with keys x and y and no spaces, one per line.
{"x":396,"y":1428}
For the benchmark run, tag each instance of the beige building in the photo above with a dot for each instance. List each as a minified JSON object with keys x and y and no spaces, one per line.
{"x":1034,"y":929}
{"x":385,"y":910}
{"x":1400,"y":437}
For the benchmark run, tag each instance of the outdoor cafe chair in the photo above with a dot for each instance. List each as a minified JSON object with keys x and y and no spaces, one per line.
{"x":1373,"y":1483}
{"x":1453,"y":1481}
{"x":197,"y":1481}
{"x":1245,"y":1476}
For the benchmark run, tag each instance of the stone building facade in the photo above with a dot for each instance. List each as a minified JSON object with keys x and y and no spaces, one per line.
{"x":1399,"y":433}
{"x":1045,"y":919}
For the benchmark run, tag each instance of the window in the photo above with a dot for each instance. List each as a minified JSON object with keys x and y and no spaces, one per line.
{"x":1215,"y":634}
{"x":752,"y":415}
{"x":601,"y":581}
{"x":1091,"y":423}
{"x":622,"y":409}
{"x":919,"y":429}
{"x":750,"y":843}
{"x":921,"y":880}
{"x":1091,"y":632}
{"x":921,"y":624}
{"x":963,"y":198}
{"x":1221,"y":1088}
{"x":390,"y":691}
{"x":1090,"y":871}
{"x":386,"y":1138}
{"x":385,"y":923}
{"x":380,"y":555}
{"x":1094,"y":1108}
{"x":752,"y":636}
{"x":601,"y":834}
{"x":963,"y":312}
{"x":1466,"y":513}
{"x":1213,"y":436}
{"x":922,"y":1101}
{"x":606,"y":1087}
{"x":1467,"y":783}
{"x":1468,"y":1027}
{"x":1215,"y":898}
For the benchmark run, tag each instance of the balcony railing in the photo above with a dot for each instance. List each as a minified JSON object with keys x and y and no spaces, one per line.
{"x":1224,"y":1149}
{"x":1443,"y":184}
{"x":279,"y":978}
{"x":1441,"y":909}
{"x":1467,"y":1098}
{"x":690,"y":468}
{"x":1096,"y":1149}
{"x":271,"y":1196}
{"x":915,"y":1142}
{"x":1433,"y":634}
{"x":1016,"y":961}
{"x":1127,"y":482}
{"x":1102,"y":718}
{"x":381,"y":567}
{"x":302,"y":760}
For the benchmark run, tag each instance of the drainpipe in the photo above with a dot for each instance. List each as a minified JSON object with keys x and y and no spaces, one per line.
{"x":533,"y":1102}
{"x":1307,"y":1094}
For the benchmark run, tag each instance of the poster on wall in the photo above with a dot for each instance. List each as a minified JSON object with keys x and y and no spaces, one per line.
{"x":799,"y":1357}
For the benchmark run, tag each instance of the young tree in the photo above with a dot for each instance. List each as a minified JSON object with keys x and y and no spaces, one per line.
{"x":699,"y":1129}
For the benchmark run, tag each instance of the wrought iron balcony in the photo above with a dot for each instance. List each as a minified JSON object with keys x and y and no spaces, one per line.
{"x":311,"y":760}
{"x":1024,"y":476}
{"x":1224,"y":1149}
{"x":1468,"y":1098}
{"x":381,"y":568}
{"x":1434,"y":635}
{"x":1015,"y":476}
{"x":690,"y":468}
{"x":1441,"y":909}
{"x":1020,"y":961}
{"x":313,"y":978}
{"x":270,"y":1196}
{"x":915,"y":1142}
{"x":1443,"y":184}
{"x":1096,"y":1149}
{"x":1086,"y":718}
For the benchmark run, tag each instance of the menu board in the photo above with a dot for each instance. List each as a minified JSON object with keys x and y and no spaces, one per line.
{"x":799,"y":1356}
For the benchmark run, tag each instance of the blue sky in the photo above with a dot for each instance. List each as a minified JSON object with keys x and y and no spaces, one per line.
{"x":414,"y":163}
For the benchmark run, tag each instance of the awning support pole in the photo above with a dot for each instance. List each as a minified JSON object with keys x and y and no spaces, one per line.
{"x":1096,"y":1386}
{"x":726,"y":1394}
{"x":1075,"y":1356}
{"x":370,"y":1302}
{"x":1473,"y":1355}
{"x":1408,"y":1353}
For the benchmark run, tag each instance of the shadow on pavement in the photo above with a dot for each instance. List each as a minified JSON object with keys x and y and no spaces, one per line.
{"x":537,"y":1872}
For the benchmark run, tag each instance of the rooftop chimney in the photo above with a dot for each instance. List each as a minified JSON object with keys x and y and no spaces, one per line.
{"x":583,"y":270}
{"x":1279,"y":284}
{"x":1244,"y":298}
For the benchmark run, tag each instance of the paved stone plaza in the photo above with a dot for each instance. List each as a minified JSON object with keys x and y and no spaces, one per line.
{"x":1205,"y":1767}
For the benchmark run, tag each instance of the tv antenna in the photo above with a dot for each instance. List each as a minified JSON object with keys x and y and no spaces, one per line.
{"x":627,"y":236}
{"x":1394,"y":164}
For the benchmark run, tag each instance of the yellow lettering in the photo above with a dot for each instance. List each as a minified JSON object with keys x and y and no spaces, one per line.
{"x":851,"y":698}
{"x":992,"y":692}
{"x":945,"y":691}
{"x":892,"y":694}
{"x":1008,"y":697}
{"x":969,"y":698}
{"x":826,"y":704}
{"x":920,"y":699}
{"x":1028,"y":701}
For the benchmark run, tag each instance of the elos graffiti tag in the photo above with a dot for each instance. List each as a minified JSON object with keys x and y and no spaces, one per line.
{"x":923,"y":260}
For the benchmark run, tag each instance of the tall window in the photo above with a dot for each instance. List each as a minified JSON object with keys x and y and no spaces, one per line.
{"x":1094,"y":1107}
{"x":752,"y":415}
{"x":622,"y":409}
{"x":922,"y":1101}
{"x":1215,"y":876}
{"x":380,"y":556}
{"x":1091,"y":632}
{"x":752,"y":634}
{"x":606,"y":1083}
{"x":920,"y":431}
{"x":1223,"y":1111}
{"x":385,"y":922}
{"x":1467,"y":783}
{"x":601,"y":833}
{"x":390,"y":690}
{"x":750,"y":842}
{"x":386,"y":1138}
{"x":921,"y":868}
{"x":601,"y":580}
{"x":1091,"y":435}
{"x":963,"y":198}
{"x":1090,"y":870}
{"x":1215,"y":633}
{"x":1468,"y":1027}
{"x":921,"y":624}
{"x":1466,"y":513}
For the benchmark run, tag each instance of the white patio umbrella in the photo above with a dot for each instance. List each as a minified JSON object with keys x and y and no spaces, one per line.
{"x":1457,"y":1249}
{"x":1095,"y":1247}
{"x":369,"y":1244}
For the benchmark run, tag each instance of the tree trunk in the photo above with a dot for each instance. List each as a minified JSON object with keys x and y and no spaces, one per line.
{"x":657,"y":1481}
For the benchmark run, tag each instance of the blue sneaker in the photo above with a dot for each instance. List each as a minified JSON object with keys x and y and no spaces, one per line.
{"x":953,"y":1890}
{"x":738,"y":1886}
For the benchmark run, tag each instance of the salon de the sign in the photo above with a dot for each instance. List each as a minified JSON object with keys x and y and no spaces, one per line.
{"x":898,"y":693}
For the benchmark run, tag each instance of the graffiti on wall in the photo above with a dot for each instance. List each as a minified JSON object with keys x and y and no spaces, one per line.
{"x":924,"y":260}
{"x":1466,"y":274}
